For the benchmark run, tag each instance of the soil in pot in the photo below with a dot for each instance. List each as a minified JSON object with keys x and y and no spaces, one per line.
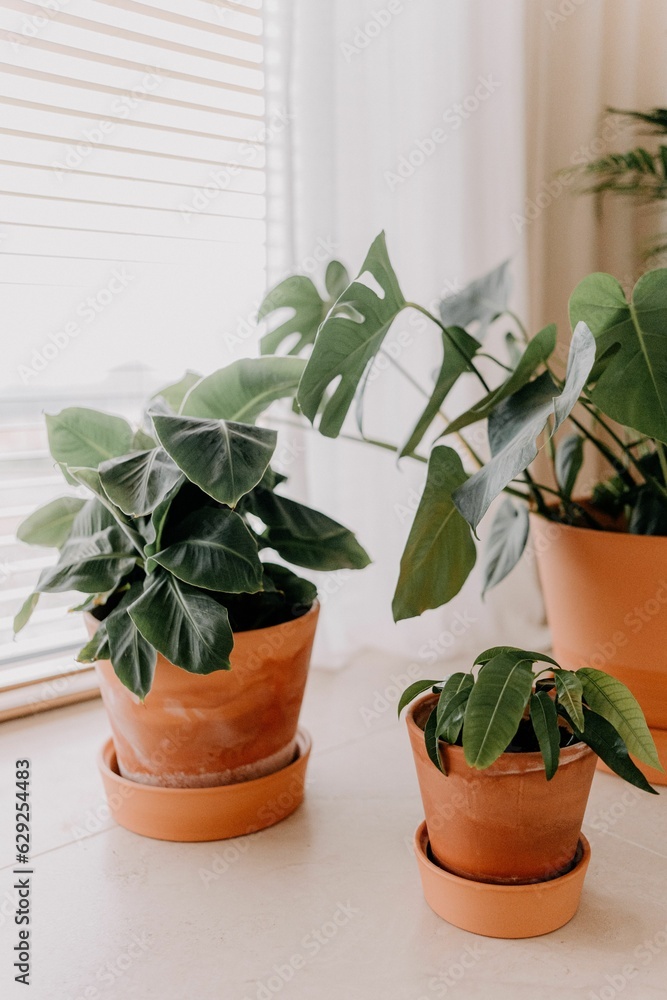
{"x":231,"y":726}
{"x":507,"y":824}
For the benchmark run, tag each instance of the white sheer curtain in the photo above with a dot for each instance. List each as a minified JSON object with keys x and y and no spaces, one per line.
{"x":512,"y":92}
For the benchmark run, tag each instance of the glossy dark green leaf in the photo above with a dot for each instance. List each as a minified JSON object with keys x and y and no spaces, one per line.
{"x":137,"y":483}
{"x":495,"y":708}
{"x":50,"y":525}
{"x":213,"y":549}
{"x":452,"y":706}
{"x":480,"y":301}
{"x":516,"y":653}
{"x":92,"y":565}
{"x":224,"y":458}
{"x":568,"y":462}
{"x":411,"y":692}
{"x":83,"y":437}
{"x":90,"y":478}
{"x":632,"y":389}
{"x":305,"y":537}
{"x":349,"y":339}
{"x":601,"y":737}
{"x":308,"y":308}
{"x":570,"y":692}
{"x":458,"y":351}
{"x":440,"y":551}
{"x":506,"y":542}
{"x":544,"y":718}
{"x":97,"y":647}
{"x":432,"y":742}
{"x":611,"y":699}
{"x":133,"y":658}
{"x":538,"y":351}
{"x":243,"y":390}
{"x":198,"y":637}
{"x":519,"y":421}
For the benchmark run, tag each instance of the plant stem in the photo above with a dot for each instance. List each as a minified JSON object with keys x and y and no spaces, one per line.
{"x":519,"y":323}
{"x":471,"y":367}
{"x":566,"y":500}
{"x":483,"y":354}
{"x":375,"y":442}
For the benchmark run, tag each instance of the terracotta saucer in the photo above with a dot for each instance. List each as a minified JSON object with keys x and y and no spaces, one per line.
{"x":195,"y":814}
{"x":502,"y":911}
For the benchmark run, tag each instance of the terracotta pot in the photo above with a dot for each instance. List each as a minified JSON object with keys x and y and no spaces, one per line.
{"x":501,"y":911}
{"x":507,"y":824}
{"x":231,"y":726}
{"x":606,"y":600}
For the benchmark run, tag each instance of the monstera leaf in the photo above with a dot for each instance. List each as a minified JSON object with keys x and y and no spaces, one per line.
{"x":480,"y":301}
{"x":516,"y":424}
{"x":632,"y":387}
{"x":440,"y":551}
{"x":309,"y":308}
{"x":349,"y":339}
{"x":244,"y":389}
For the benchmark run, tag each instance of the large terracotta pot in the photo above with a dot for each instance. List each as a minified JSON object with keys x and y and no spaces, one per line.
{"x":606,"y":600}
{"x":230,"y":726}
{"x":506,"y":824}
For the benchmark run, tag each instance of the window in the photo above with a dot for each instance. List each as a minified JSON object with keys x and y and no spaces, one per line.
{"x":133,"y":246}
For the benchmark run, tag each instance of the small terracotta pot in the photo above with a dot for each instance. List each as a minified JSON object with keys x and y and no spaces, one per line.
{"x":501,"y":911}
{"x":507,"y":824}
{"x":230,"y":726}
{"x":606,"y":600}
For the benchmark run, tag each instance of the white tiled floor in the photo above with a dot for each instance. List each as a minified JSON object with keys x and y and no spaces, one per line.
{"x":325,"y":906}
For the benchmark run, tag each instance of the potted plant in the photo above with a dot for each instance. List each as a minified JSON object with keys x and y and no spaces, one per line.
{"x":601,"y":547}
{"x":505,"y":757}
{"x":180,"y":549}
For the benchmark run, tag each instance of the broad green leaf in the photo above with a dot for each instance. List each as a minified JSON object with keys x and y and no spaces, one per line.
{"x":570,"y":692}
{"x":142,"y":441}
{"x":133,"y":658}
{"x":224,"y":458}
{"x":611,"y":699}
{"x":431,"y":740}
{"x":538,"y":351}
{"x":506,"y":542}
{"x":174,"y":394}
{"x":453,"y":685}
{"x":244,"y":389}
{"x":544,"y":718}
{"x":299,"y":294}
{"x":90,"y":478}
{"x":516,"y":653}
{"x":157,"y":522}
{"x":632,"y":389}
{"x":517,"y":424}
{"x":92,"y":565}
{"x":346,"y":342}
{"x":24,"y":615}
{"x":480,"y":301}
{"x":50,"y":525}
{"x":601,"y":737}
{"x":83,"y":437}
{"x":440,"y":551}
{"x":97,"y":647}
{"x":568,"y":462}
{"x":137,"y":483}
{"x":213,"y":549}
{"x":305,"y":537}
{"x":412,"y":691}
{"x":186,"y":625}
{"x":459,"y":349}
{"x":452,"y":705}
{"x":495,"y":707}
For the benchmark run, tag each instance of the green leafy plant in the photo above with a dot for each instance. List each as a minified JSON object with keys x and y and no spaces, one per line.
{"x":639,"y":173}
{"x":173,"y":545}
{"x":616,"y":374}
{"x":506,"y":706}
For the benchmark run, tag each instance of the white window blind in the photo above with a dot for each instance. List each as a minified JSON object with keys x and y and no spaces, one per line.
{"x":133,"y":139}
